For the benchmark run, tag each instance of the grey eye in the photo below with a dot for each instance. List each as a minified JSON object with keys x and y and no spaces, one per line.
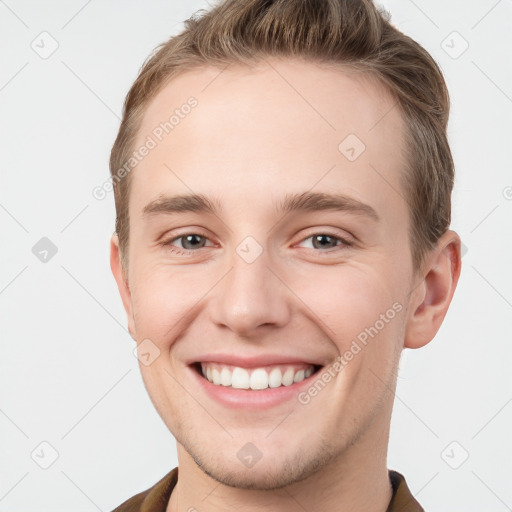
{"x":191,"y":241}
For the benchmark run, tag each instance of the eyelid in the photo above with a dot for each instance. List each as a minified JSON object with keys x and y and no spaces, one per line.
{"x":179,"y":232}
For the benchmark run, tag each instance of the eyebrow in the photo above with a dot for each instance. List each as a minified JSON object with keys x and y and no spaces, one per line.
{"x":307,"y":201}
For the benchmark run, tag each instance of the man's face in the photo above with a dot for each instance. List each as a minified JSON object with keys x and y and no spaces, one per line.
{"x":252,"y":285}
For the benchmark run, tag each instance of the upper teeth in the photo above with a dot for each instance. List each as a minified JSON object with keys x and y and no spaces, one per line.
{"x":257,"y":378}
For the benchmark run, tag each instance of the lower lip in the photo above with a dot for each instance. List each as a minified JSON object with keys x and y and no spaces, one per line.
{"x":252,"y":399}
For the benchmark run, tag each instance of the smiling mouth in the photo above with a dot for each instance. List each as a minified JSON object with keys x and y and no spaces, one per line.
{"x":255,"y":379}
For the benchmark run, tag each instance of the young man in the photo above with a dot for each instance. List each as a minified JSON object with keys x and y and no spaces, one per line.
{"x":282,"y":183}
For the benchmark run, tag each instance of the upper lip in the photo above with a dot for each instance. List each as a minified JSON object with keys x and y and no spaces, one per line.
{"x":252,"y":361}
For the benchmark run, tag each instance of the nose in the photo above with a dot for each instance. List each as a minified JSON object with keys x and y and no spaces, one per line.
{"x":251,"y":297}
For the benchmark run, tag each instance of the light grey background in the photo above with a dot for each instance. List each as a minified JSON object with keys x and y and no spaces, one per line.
{"x":68,"y":376}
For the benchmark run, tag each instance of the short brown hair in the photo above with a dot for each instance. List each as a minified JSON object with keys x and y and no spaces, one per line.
{"x":353,"y":32}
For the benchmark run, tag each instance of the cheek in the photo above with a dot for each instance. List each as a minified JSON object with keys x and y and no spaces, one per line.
{"x":351,"y":300}
{"x":164,"y":299}
{"x":362,"y":314}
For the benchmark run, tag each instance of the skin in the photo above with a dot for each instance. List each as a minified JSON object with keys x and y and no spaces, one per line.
{"x":251,"y":139}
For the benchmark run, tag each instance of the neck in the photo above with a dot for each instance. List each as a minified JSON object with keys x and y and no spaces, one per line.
{"x":356,"y":481}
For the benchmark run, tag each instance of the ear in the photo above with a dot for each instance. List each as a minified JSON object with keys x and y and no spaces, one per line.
{"x":433,"y":294}
{"x":121,"y":277}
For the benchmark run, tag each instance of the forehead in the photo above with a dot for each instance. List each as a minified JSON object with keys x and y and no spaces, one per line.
{"x":282,"y":124}
{"x":330,"y":96}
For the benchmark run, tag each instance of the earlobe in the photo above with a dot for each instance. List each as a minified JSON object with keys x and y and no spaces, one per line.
{"x":432,"y":297}
{"x":121,"y":277}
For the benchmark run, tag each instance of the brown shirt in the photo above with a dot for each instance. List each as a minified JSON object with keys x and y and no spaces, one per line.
{"x":155,"y":498}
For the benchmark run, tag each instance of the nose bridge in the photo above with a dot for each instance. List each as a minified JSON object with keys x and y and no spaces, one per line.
{"x":250,"y":294}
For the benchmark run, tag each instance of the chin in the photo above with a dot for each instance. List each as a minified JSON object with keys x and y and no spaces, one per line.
{"x":265,"y":478}
{"x":269,"y":473}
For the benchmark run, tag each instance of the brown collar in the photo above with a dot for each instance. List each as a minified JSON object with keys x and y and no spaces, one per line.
{"x":155,"y":498}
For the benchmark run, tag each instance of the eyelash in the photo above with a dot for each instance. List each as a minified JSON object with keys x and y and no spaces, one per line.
{"x":179,"y":251}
